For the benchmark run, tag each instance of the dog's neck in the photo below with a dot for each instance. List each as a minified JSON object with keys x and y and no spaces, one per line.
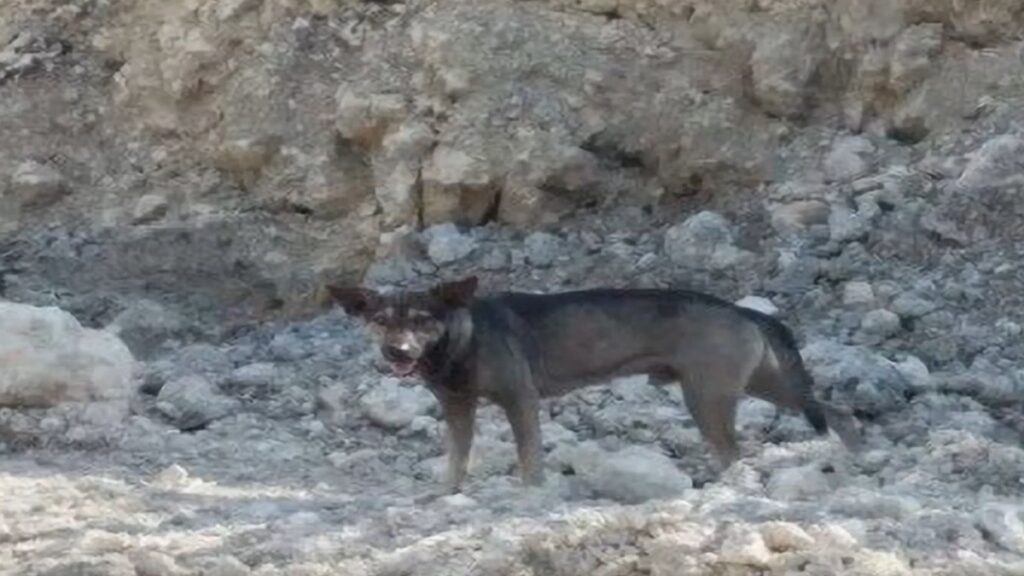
{"x":450,"y":350}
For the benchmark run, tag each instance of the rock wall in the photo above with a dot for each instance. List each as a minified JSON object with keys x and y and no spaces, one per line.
{"x":217,"y":159}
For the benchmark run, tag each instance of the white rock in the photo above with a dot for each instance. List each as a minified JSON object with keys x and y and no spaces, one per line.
{"x":759,"y":303}
{"x":191,"y":402}
{"x":858,"y":295}
{"x":48,"y":358}
{"x":36,"y":185}
{"x":392,"y":405}
{"x":631,"y":475}
{"x":999,"y":163}
{"x":785,"y":536}
{"x":798,"y":483}
{"x":153,"y":563}
{"x":704,"y":240}
{"x":445,"y":244}
{"x":744,"y":546}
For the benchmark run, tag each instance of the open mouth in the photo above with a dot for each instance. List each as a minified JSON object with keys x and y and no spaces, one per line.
{"x":400,"y":369}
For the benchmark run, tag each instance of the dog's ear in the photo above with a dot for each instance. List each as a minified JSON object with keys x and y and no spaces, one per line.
{"x":354,"y":300}
{"x":458,"y":293}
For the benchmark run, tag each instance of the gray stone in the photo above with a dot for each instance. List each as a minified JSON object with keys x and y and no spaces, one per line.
{"x":782,"y":65}
{"x":913,"y":305}
{"x":630,"y":475}
{"x":391,"y":405}
{"x":445,"y":244}
{"x":191,"y":402}
{"x":35,"y":185}
{"x":258,"y":376}
{"x":877,"y":326}
{"x":146,"y":325}
{"x":857,"y":376}
{"x":150,"y":208}
{"x":704,"y":240}
{"x":542,"y":249}
{"x":999,"y":163}
{"x":849,"y":159}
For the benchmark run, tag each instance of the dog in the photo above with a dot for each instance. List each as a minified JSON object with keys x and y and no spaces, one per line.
{"x":515,"y":349}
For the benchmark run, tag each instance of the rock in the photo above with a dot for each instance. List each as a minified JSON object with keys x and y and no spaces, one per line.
{"x":244,"y":159}
{"x":542,"y":249}
{"x":782,"y":66}
{"x":857,"y":376}
{"x":801,"y":483}
{"x":457,"y":186}
{"x":877,"y":326}
{"x":631,"y":475}
{"x":225,"y":566}
{"x":998,"y":164}
{"x":191,"y":402}
{"x":150,"y":208}
{"x":396,"y":171}
{"x":35,"y":185}
{"x":848,"y":159}
{"x":704,"y":240}
{"x":205,"y":360}
{"x":916,"y":373}
{"x":913,"y":305}
{"x":858,"y":295}
{"x":285,"y":347}
{"x":912,"y":55}
{"x":799,"y":215}
{"x":172,"y":477}
{"x":153,"y":563}
{"x":49,"y":359}
{"x":256,"y":377}
{"x":445,"y":244}
{"x":391,"y":405}
{"x":761,"y":304}
{"x":745,"y":547}
{"x":785,"y":536}
{"x":146,"y":325}
{"x":1005,"y":524}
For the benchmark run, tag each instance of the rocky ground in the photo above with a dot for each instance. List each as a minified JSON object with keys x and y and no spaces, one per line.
{"x":174,"y":177}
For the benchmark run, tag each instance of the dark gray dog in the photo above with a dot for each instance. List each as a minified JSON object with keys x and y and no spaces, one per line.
{"x":514,"y":349}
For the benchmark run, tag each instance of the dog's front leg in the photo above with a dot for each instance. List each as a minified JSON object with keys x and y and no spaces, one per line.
{"x":458,"y":415}
{"x":522,"y":412}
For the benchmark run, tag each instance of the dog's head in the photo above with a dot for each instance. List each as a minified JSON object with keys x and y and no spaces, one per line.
{"x":406,"y":324}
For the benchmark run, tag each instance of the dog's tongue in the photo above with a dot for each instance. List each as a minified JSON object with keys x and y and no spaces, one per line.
{"x":403,"y":369}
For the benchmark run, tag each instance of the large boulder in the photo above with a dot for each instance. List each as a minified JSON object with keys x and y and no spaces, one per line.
{"x":60,"y":382}
{"x":48,"y":359}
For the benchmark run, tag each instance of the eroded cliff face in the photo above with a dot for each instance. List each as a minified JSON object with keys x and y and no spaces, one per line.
{"x":220,"y":157}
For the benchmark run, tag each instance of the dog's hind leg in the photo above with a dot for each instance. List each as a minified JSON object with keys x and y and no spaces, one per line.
{"x":524,"y":417}
{"x":714,"y":411}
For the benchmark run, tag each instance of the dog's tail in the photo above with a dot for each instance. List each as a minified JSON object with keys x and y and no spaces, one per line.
{"x":795,"y":376}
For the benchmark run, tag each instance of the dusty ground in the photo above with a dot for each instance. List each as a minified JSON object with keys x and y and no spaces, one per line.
{"x":179,"y":174}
